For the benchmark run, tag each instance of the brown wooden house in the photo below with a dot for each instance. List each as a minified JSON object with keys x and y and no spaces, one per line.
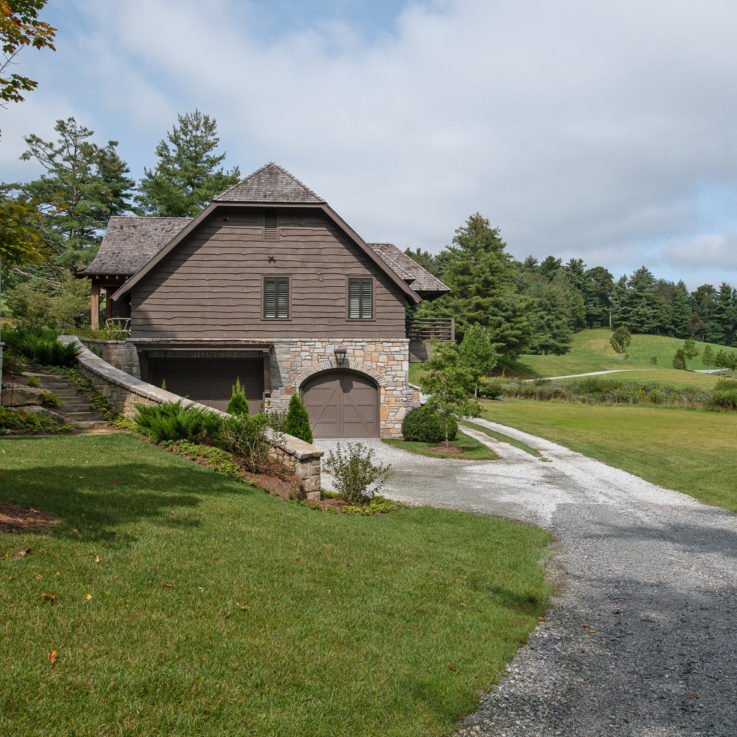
{"x":268,"y":284}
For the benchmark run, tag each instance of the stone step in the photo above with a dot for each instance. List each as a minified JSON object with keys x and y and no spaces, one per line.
{"x":82,"y":414}
{"x":87,"y":425}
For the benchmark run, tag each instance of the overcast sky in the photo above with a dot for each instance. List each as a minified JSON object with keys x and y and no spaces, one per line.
{"x":605,"y":131}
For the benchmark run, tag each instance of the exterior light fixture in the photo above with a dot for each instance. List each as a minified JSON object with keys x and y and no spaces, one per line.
{"x":340,"y":352}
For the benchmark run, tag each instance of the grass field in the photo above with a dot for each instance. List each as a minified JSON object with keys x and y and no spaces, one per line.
{"x":591,"y":352}
{"x":693,"y":451}
{"x":189,"y":604}
{"x":472,"y":449}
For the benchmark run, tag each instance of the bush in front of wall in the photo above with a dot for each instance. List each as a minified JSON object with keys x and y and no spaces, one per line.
{"x":297,"y":423}
{"x":238,"y":404}
{"x":425,"y":425}
{"x":174,"y":421}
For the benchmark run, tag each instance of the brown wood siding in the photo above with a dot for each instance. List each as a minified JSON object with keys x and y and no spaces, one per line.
{"x":211,"y":285}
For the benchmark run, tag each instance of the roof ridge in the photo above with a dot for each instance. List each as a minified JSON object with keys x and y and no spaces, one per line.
{"x":254,"y":175}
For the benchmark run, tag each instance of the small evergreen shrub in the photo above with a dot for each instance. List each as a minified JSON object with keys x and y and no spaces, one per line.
{"x":238,"y":404}
{"x":357,"y":477}
{"x":173,"y":421}
{"x":424,"y":425}
{"x":297,"y":422}
{"x":12,"y":423}
{"x":51,"y":400}
{"x":34,"y":381}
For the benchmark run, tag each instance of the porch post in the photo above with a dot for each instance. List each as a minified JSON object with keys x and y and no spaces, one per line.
{"x":95,"y":307}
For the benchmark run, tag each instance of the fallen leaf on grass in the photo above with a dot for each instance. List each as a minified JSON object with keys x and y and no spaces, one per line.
{"x":21,"y":553}
{"x":452,"y":667}
{"x":241,"y":606}
{"x":49,"y":597}
{"x":167,"y":585}
{"x":97,"y":559}
{"x":88,"y":596}
{"x":52,"y":657}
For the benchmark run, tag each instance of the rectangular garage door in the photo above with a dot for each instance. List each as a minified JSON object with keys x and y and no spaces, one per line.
{"x":209,"y":380}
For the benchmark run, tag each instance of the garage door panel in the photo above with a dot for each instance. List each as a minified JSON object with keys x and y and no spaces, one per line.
{"x":342,"y":405}
{"x":209,"y":380}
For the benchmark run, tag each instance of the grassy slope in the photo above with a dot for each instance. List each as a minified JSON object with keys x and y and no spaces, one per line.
{"x":692,"y":451}
{"x":591,"y":352}
{"x":216,"y":609}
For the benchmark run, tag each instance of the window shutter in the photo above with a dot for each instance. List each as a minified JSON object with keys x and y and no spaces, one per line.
{"x":282,"y":308}
{"x":270,"y":298}
{"x":354,"y":298}
{"x":366,"y":300}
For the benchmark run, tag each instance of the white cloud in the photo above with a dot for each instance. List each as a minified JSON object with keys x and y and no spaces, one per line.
{"x":581,"y":129}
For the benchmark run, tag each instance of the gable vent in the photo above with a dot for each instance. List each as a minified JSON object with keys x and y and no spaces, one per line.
{"x":270,"y":226}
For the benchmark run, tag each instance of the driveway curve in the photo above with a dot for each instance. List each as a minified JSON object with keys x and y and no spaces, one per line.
{"x":640,"y":641}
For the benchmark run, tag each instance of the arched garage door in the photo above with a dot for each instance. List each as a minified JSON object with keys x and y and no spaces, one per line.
{"x":342,"y":404}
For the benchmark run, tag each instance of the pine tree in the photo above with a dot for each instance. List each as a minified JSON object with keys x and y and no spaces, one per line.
{"x":708,"y":356}
{"x":680,"y":311}
{"x":187,"y":174}
{"x":297,"y":422}
{"x":83,"y":185}
{"x":480,"y":274}
{"x":722,"y":324}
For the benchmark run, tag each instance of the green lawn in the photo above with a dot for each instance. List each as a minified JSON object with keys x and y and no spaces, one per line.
{"x":503,"y":438}
{"x":190,"y":604}
{"x":591,"y":351}
{"x":473,"y":450}
{"x":693,"y":451}
{"x":661,"y":376}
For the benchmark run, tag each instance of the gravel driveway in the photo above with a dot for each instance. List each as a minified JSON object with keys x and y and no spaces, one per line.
{"x":642,"y":638}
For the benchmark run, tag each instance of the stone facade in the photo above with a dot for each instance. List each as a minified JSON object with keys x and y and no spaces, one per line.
{"x":385,"y":361}
{"x":124,"y":391}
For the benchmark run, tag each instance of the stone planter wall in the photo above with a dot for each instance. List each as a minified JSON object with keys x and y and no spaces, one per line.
{"x":124,"y":391}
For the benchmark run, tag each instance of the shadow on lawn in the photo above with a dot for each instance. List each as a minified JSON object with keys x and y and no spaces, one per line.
{"x":92,"y":500}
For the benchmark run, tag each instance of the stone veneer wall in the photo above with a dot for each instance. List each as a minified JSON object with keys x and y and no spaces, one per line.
{"x":118,"y":353}
{"x":123,"y":391}
{"x":386,"y":361}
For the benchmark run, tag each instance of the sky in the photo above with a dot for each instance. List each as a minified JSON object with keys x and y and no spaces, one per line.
{"x":582,"y":129}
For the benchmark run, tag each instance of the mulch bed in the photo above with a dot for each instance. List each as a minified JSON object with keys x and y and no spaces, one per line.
{"x":450,"y":450}
{"x":14,"y":518}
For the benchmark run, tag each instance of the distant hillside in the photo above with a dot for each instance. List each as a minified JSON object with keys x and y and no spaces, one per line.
{"x":591,"y":352}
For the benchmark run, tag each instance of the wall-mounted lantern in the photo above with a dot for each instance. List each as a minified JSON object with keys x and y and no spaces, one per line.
{"x":340,"y":352}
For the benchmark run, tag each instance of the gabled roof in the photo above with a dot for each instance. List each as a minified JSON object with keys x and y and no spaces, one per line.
{"x":129,"y":242}
{"x":421,"y":280}
{"x":270,"y":183}
{"x":270,"y":186}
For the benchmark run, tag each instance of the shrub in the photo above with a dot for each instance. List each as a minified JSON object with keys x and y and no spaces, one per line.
{"x":12,"y":423}
{"x":42,"y":347}
{"x":725,"y":399}
{"x":357,"y":477}
{"x":426,"y":425}
{"x":11,"y":363}
{"x":679,"y":359}
{"x":51,"y":400}
{"x":654,"y":360}
{"x":34,"y":381}
{"x":238,"y":404}
{"x":725,"y":384}
{"x":297,"y":422}
{"x":246,"y":438}
{"x":173,"y":421}
{"x":490,"y":388}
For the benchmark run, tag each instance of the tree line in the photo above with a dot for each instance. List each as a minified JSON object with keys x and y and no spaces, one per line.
{"x":535,"y":306}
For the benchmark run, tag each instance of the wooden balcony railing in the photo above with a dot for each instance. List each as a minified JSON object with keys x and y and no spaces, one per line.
{"x":431,"y":328}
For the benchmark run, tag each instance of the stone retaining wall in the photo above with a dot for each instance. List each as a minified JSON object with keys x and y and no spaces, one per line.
{"x":124,"y":391}
{"x":118,"y":353}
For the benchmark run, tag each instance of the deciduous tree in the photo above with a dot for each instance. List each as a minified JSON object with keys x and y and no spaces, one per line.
{"x":620,"y":339}
{"x":477,"y":354}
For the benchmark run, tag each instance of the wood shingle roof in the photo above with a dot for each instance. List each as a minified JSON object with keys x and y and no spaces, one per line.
{"x":418,"y":278}
{"x":270,"y":183}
